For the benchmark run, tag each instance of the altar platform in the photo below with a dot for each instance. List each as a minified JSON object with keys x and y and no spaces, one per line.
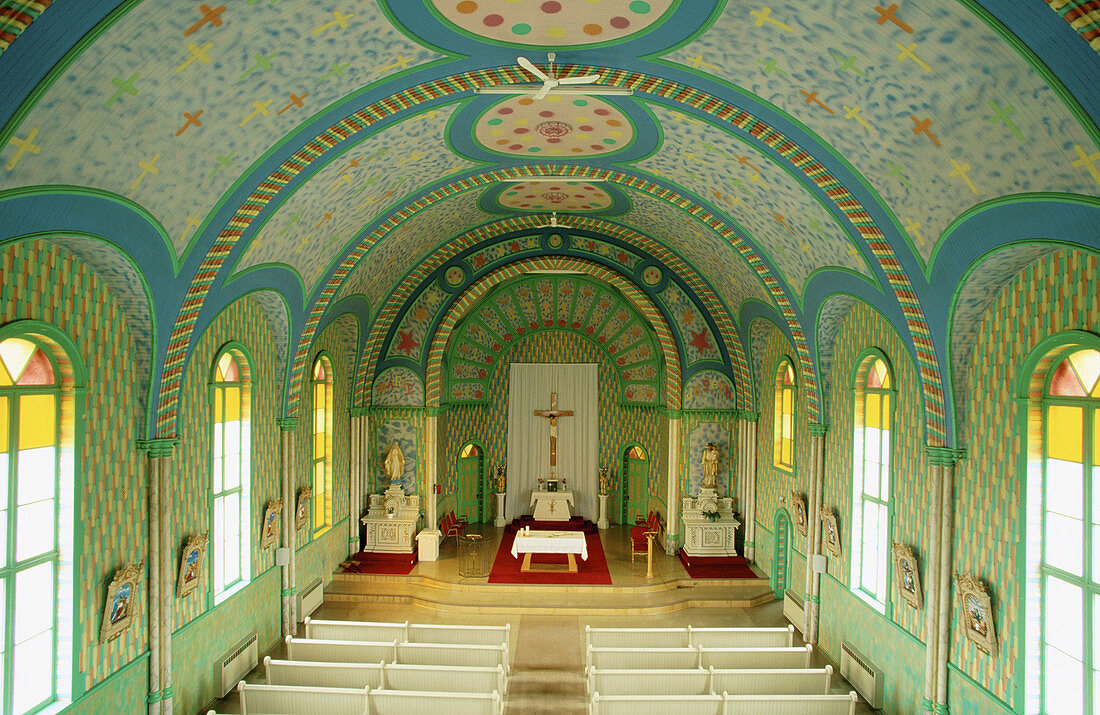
{"x":438,"y":585}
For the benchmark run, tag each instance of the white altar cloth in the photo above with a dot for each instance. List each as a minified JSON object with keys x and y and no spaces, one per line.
{"x":551,"y":542}
{"x":551,"y":506}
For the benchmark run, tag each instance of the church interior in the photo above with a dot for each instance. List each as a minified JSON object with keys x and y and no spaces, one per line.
{"x":807,"y":290}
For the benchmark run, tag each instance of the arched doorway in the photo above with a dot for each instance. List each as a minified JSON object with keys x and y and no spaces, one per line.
{"x":782,"y":531}
{"x":634,"y":483}
{"x":470,"y":484}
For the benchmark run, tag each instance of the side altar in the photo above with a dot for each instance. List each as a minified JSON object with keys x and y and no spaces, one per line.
{"x":709,"y":523}
{"x":391,"y":521}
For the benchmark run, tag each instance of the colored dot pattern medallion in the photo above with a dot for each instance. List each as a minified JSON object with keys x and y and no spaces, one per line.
{"x":558,"y":125}
{"x":553,"y":23}
{"x":570,"y":196}
{"x":651,"y":275}
{"x":454,"y":276}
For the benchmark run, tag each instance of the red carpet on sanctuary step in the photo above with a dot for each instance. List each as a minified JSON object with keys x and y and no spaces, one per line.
{"x":716,"y":566}
{"x":363,"y":562}
{"x":592,"y":571}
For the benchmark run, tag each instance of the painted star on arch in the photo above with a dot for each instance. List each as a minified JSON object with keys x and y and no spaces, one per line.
{"x":408,"y":342}
{"x":699,"y":340}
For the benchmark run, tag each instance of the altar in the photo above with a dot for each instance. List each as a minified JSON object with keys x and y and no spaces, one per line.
{"x":391,"y":521}
{"x":550,"y":542}
{"x":709,"y":525}
{"x":552,"y":506}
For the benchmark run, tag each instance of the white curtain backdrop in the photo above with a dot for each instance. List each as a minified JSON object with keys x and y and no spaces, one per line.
{"x":529,"y":389}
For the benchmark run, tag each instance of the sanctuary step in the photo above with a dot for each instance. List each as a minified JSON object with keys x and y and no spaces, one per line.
{"x":438,"y":585}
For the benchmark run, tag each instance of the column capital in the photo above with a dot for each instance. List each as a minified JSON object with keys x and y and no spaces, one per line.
{"x":435,"y":411}
{"x":748,"y":415}
{"x":359,"y":411}
{"x":673,"y":414}
{"x":160,"y":447}
{"x":944,"y":456}
{"x":287,"y":424}
{"x":818,"y":430}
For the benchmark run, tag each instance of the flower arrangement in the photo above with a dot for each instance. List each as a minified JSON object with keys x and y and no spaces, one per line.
{"x":710,"y":513}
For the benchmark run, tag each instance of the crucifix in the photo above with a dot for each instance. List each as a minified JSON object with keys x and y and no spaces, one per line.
{"x":553,"y":414}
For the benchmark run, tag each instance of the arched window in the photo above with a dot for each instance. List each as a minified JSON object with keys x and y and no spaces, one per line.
{"x":36,"y":525}
{"x":1064,"y":540}
{"x":468,"y":497}
{"x":230,"y":474}
{"x":871,"y":479}
{"x":322,"y":444}
{"x":784,"y":416}
{"x":635,"y":483}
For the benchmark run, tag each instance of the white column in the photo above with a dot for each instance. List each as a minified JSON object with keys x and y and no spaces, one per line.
{"x":167,"y":582}
{"x":673,"y":516}
{"x":947,"y":538}
{"x":931,"y":585}
{"x":817,"y":479}
{"x":161,"y":590}
{"x":747,"y":425}
{"x":427,"y":541}
{"x":288,"y":433}
{"x":152,"y":476}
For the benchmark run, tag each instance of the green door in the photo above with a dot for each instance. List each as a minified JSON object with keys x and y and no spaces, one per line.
{"x":635,"y":480}
{"x":782,"y":552}
{"x":468,"y":499}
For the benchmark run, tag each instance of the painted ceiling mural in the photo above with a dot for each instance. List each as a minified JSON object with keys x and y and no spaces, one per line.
{"x":773,"y":156}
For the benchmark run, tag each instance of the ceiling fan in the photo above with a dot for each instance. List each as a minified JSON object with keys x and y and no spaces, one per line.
{"x":552,"y":83}
{"x":553,"y":222}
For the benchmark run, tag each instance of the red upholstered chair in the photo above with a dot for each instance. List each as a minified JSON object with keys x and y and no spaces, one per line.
{"x":452,"y":525}
{"x":640,"y":535}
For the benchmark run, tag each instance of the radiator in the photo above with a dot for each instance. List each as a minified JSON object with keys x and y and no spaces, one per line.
{"x":865,"y":676}
{"x":794,"y":611}
{"x":236,"y":664}
{"x":309,"y":598}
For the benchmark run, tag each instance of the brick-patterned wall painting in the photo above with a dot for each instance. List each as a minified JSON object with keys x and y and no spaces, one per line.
{"x":844,"y":616}
{"x":774,"y":485}
{"x":1057,"y":293}
{"x":47,"y":283}
{"x":245,"y":323}
{"x":488,"y":424}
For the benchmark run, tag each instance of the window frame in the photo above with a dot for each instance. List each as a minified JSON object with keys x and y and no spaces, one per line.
{"x":323,"y":498}
{"x":70,"y":383}
{"x":879,"y":599}
{"x":781,"y":390}
{"x":244,"y":487}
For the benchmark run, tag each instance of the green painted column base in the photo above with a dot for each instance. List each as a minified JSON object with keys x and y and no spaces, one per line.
{"x":288,"y":591}
{"x":941,"y":708}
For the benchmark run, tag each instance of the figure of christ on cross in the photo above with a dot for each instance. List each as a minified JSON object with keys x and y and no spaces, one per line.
{"x":553,"y":414}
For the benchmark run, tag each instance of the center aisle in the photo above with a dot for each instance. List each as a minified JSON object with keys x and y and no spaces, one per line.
{"x":548,"y":667}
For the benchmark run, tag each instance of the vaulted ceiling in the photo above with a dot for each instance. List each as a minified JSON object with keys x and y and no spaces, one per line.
{"x":775,"y":161}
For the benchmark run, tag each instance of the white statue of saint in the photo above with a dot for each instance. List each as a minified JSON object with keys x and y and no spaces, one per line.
{"x":710,"y":466}
{"x":395,"y":463}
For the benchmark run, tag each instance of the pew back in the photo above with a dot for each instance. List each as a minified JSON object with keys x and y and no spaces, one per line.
{"x":328,"y":651}
{"x":655,"y":704}
{"x":773,"y":681}
{"x":791,"y":704}
{"x":649,"y":682}
{"x":742,"y":658}
{"x":465,"y":635}
{"x":642,"y":658}
{"x":400,"y":702}
{"x":279,"y":699}
{"x":356,"y":631}
{"x":448,"y":654}
{"x":323,"y":675}
{"x":742,"y":637}
{"x":453,"y":679}
{"x":637,"y":637}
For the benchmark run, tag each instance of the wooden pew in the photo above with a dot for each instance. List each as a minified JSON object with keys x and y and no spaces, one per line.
{"x":791,"y":704}
{"x":798,"y":681}
{"x":406,"y":632}
{"x":689,"y":637}
{"x":403,"y":702}
{"x":450,"y":654}
{"x":641,"y":658}
{"x":742,"y":658}
{"x":323,"y":675}
{"x":285,"y":699}
{"x":326,"y":651}
{"x":723,"y":704}
{"x":454,"y":679}
{"x":655,"y":704}
{"x":772,"y":681}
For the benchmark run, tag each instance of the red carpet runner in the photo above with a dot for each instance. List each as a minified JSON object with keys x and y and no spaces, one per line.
{"x":590,"y":572}
{"x":716,"y":567}
{"x":400,"y":564}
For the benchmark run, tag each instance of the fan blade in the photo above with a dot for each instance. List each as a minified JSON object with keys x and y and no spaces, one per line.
{"x":530,"y":67}
{"x":541,"y":94}
{"x":587,"y":79}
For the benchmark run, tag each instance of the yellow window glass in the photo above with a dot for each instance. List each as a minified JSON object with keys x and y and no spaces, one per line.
{"x":37,"y":420}
{"x":1064,"y":433}
{"x":873,"y":416}
{"x":1086,"y":363}
{"x":3,"y":426}
{"x":232,"y":404}
{"x":885,"y":412}
{"x":15,"y":353}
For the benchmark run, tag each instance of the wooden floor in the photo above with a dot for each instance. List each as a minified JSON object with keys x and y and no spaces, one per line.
{"x":547,"y":635}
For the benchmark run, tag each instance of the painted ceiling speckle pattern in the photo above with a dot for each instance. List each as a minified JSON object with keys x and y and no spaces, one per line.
{"x":317,"y":220}
{"x":926,"y":100}
{"x":578,"y":196}
{"x":170,"y":112}
{"x":553,"y":23}
{"x":768,"y":203}
{"x":557,"y":126}
{"x":210,"y":147}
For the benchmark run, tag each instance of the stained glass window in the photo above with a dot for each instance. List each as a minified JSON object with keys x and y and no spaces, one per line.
{"x":784,"y":416}
{"x":30,"y":509}
{"x":230,"y":475}
{"x":322,"y":444}
{"x":1066,"y":539}
{"x":871,"y":481}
